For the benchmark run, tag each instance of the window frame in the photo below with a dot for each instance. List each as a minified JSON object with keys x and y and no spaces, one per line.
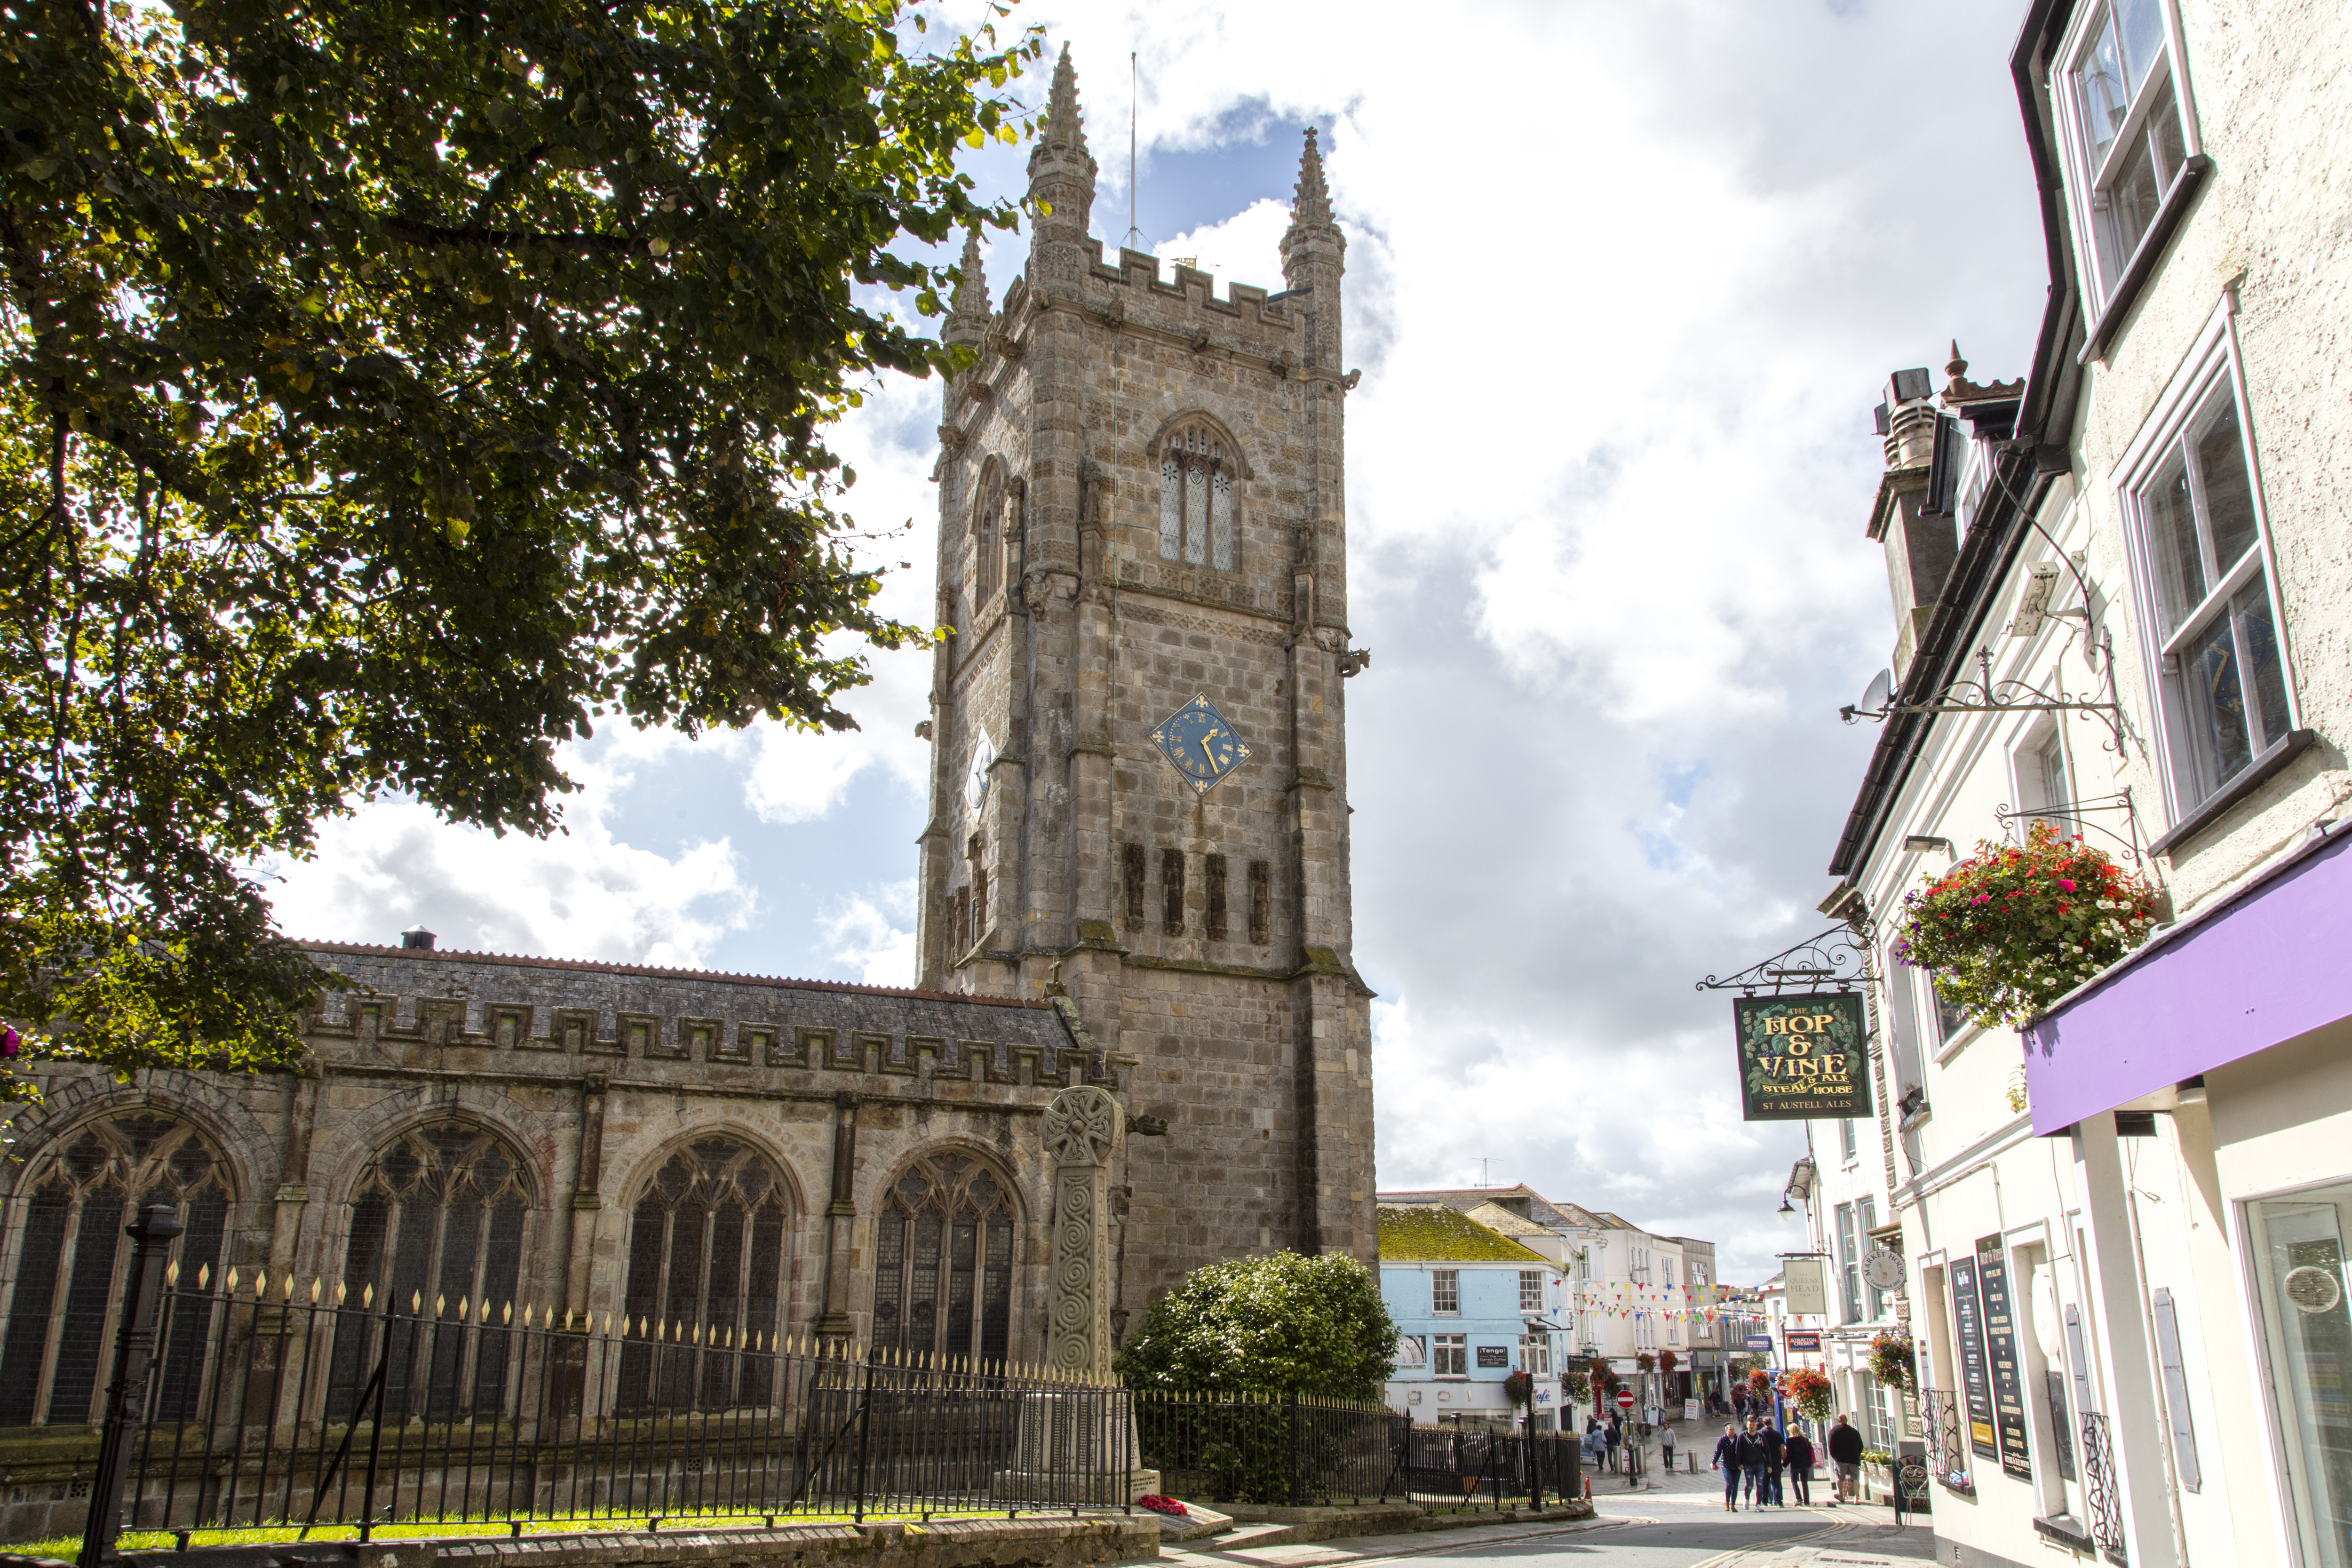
{"x":1199,"y":462}
{"x":2110,"y":287}
{"x":1449,"y":1355}
{"x":1444,"y":1283}
{"x":1531,"y":1279}
{"x":2214,"y":366}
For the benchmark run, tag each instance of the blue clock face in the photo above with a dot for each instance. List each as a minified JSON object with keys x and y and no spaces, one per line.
{"x":1201,"y":742}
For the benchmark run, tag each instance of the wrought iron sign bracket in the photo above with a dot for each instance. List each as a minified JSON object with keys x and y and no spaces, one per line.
{"x":2076,"y":813}
{"x":1838,"y":958}
{"x":1986,"y":695}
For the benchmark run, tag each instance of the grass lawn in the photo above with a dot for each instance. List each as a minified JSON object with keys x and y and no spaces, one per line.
{"x":68,"y":1547}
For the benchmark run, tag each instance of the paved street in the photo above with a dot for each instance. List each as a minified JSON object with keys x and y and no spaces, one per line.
{"x":1677,"y":1523}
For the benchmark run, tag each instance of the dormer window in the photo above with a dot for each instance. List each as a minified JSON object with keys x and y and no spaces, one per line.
{"x":1196,"y":500}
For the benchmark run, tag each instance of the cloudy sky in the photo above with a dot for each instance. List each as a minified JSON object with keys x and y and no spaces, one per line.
{"x":1624,"y":281}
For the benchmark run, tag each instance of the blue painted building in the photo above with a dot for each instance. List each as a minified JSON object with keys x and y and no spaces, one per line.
{"x":1472,"y":1306}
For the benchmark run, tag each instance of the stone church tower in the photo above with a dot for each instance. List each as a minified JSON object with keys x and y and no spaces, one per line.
{"x":1138,"y":786}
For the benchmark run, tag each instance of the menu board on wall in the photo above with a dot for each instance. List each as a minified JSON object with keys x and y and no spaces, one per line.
{"x":2008,"y":1377}
{"x":1976,"y":1384}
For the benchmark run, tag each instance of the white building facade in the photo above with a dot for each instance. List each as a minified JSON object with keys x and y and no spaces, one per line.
{"x":2124,"y":596}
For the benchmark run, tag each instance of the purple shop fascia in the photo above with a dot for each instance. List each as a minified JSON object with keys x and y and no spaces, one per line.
{"x":2267,"y":966}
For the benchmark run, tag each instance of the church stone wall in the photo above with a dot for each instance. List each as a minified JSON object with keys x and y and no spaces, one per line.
{"x":595,"y":1074}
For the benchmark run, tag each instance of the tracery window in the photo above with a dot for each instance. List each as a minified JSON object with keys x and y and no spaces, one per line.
{"x":987,"y":530}
{"x":72,"y":1259}
{"x":1196,"y":500}
{"x":706,"y":1258}
{"x":438,"y":1224}
{"x":943,"y":1261}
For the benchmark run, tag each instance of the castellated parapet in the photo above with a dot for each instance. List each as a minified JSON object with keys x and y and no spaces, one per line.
{"x":1141,"y":502}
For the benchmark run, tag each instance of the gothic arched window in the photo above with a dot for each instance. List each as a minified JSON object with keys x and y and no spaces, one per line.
{"x":943,"y":1261}
{"x":706,"y":1258}
{"x":987,"y":536}
{"x":1196,"y":500}
{"x":438,"y":1224}
{"x":72,"y":1259}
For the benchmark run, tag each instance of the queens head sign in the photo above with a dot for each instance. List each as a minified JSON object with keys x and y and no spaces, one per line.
{"x":1802,"y":1057}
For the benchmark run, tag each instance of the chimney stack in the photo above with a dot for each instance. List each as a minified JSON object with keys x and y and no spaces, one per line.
{"x":416,"y":938}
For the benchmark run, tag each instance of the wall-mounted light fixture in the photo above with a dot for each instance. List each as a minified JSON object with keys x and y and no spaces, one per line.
{"x":1920,"y":843}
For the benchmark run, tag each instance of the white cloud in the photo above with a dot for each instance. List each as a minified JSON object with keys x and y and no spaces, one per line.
{"x":867,"y":936}
{"x":580,"y":894}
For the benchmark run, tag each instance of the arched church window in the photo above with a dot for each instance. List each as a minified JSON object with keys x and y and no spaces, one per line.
{"x":707,"y":1256}
{"x":987,"y":535}
{"x":1196,"y":500}
{"x":72,"y":1259}
{"x":438,"y":1225}
{"x":943,"y":1261}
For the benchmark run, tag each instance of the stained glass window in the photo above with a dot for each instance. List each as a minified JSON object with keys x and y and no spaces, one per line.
{"x":707,"y":1256}
{"x":72,"y":1259}
{"x":943,"y":1261}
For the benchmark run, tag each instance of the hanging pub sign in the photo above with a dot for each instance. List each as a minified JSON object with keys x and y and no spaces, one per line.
{"x":1802,"y":1057}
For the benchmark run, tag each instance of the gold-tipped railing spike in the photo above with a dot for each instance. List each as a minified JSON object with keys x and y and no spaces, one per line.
{"x":260,"y":1283}
{"x":172,"y":1272}
{"x":228,"y":1285}
{"x":288,"y":1293}
{"x":440,"y":1305}
{"x":508,"y":1318}
{"x":340,"y":1291}
{"x":608,"y":1325}
{"x":203,"y":1276}
{"x":367,"y":1297}
{"x":317,"y":1285}
{"x":416,"y":1303}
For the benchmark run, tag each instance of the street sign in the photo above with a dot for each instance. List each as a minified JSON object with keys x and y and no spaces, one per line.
{"x":1804,"y":1343}
{"x":1625,"y":1399}
{"x":1759,"y":1341}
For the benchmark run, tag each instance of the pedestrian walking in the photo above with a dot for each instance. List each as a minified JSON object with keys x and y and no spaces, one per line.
{"x":1596,"y":1447}
{"x":1666,"y":1446}
{"x":1728,"y":1460}
{"x":1797,"y":1454}
{"x":1751,"y":1463}
{"x":1768,"y":1440}
{"x":1616,"y":1440}
{"x":1845,"y":1459}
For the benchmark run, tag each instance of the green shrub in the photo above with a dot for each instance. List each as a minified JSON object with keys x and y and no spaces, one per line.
{"x":1277,"y":1324}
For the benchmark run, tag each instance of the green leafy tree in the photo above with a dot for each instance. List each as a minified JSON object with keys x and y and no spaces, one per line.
{"x":1277,"y":1324}
{"x":391,"y":392}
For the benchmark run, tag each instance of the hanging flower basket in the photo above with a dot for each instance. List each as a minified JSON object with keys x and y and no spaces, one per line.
{"x":1646,"y":1361}
{"x":1518,"y":1388}
{"x":1813,"y":1393}
{"x":1575,"y":1386}
{"x":2014,"y":929}
{"x":1894,"y":1362}
{"x":1668,"y":1361}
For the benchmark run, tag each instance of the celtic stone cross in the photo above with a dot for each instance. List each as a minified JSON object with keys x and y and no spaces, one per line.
{"x":1083,"y":1130}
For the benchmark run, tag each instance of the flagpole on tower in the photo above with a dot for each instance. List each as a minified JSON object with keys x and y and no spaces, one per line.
{"x":1134,"y":240}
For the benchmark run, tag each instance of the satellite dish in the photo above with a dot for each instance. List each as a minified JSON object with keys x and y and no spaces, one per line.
{"x":1875,"y":700}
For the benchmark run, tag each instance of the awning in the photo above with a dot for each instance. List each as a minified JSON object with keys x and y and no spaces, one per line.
{"x":2271,"y":962}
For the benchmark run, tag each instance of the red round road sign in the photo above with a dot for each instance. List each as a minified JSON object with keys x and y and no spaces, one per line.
{"x":1625,"y":1399}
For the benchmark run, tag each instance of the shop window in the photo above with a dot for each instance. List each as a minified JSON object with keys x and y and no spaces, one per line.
{"x":2299,"y":1252}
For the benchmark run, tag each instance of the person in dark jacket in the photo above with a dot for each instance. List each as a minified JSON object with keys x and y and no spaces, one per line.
{"x":1751,"y":1459}
{"x":1846,"y":1455}
{"x":1727,"y":1459}
{"x":1797,"y":1455}
{"x":1616,"y":1436}
{"x":1768,"y":1442}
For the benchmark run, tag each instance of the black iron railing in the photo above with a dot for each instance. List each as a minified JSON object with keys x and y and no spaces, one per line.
{"x":2100,"y":1495}
{"x":1947,"y":1443}
{"x":266,"y":1411}
{"x":1296,"y":1451}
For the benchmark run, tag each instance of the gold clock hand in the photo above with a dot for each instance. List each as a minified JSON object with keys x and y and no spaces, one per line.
{"x":1208,"y":753}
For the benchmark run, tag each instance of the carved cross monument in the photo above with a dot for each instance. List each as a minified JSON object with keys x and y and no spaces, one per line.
{"x":1083,"y":1130}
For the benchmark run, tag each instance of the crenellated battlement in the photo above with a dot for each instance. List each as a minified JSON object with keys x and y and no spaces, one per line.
{"x":567,"y":1017}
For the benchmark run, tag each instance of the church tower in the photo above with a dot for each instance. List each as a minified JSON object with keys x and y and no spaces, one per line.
{"x":1139,"y":782}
